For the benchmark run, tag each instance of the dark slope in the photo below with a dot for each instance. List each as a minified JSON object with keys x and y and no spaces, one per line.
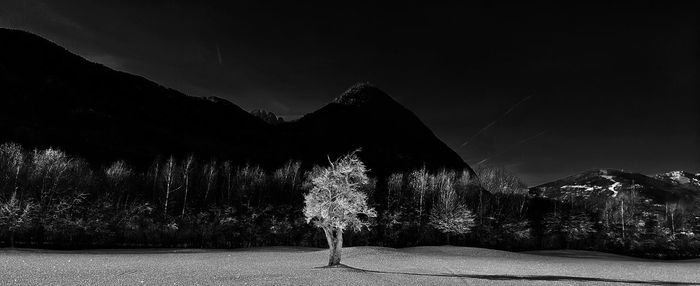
{"x":600,"y":185}
{"x":392,"y":138}
{"x":51,"y":97}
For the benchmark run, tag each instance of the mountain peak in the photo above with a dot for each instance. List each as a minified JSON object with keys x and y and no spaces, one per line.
{"x":267,"y":116}
{"x":392,"y":137}
{"x":363,"y":93}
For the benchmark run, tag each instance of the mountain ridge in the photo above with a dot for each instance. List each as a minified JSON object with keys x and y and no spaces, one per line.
{"x":604,"y":184}
{"x":54,"y":98}
{"x":365,"y":117}
{"x":681,"y":178}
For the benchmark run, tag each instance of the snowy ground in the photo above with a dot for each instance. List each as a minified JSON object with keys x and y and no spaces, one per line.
{"x":444,"y":265}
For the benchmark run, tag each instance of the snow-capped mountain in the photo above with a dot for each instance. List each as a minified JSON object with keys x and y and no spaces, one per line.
{"x":603,"y":184}
{"x":681,"y":178}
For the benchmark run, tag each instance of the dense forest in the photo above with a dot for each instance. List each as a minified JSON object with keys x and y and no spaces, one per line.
{"x":49,"y":199}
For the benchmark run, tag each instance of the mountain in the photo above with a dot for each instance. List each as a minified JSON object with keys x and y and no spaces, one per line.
{"x":681,"y":178}
{"x":53,"y":98}
{"x":392,"y":138}
{"x":604,"y":184}
{"x":267,"y":116}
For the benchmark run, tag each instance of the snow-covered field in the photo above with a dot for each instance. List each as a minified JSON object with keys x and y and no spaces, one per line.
{"x":444,"y":265}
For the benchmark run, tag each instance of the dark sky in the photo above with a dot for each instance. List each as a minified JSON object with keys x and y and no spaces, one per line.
{"x":543,"y":92}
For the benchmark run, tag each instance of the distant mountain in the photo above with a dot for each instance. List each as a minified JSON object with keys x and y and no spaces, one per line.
{"x":600,"y":185}
{"x":681,"y":178}
{"x":392,"y":138}
{"x":267,"y":116}
{"x":50,"y":97}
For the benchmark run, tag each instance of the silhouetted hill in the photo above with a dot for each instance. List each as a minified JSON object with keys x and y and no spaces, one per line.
{"x":391,"y":137}
{"x":51,"y":97}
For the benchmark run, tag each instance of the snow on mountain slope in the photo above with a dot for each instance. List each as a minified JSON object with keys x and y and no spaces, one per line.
{"x":681,"y":178}
{"x":603,"y":184}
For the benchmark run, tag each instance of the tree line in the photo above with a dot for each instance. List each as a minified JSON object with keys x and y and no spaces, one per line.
{"x":50,"y":199}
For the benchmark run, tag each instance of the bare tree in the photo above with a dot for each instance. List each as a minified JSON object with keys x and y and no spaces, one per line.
{"x":498,"y":180}
{"x":419,"y":184}
{"x":450,"y":215}
{"x":49,"y":175}
{"x":12,"y":158}
{"x":154,"y":171}
{"x":394,"y":186}
{"x":288,"y":174}
{"x":250,"y":180}
{"x":118,"y":177}
{"x":335,"y":203}
{"x":210,"y":173}
{"x":15,"y":216}
{"x":506,"y":186}
{"x":169,"y":171}
{"x":186,"y":174}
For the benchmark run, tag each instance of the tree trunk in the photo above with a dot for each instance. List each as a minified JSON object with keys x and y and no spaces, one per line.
{"x":12,"y":239}
{"x":622,"y":218}
{"x":184,"y":201}
{"x":335,"y":244}
{"x":17,"y":180}
{"x":165,"y":207}
{"x":673,"y":223}
{"x":206,"y":194}
{"x":336,"y":251}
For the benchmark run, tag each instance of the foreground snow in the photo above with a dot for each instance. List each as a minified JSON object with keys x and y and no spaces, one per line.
{"x":445,"y":265}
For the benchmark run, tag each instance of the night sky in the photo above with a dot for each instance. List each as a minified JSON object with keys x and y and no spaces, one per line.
{"x":543,"y":92}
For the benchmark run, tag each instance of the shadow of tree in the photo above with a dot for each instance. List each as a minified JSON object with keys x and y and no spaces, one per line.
{"x":521,"y":277}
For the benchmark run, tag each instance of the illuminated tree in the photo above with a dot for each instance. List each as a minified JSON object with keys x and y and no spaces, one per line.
{"x":118,"y":177}
{"x":169,"y":177}
{"x":15,"y":216}
{"x":11,"y":163}
{"x":449,"y":215}
{"x":335,"y":203}
{"x":419,"y":184}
